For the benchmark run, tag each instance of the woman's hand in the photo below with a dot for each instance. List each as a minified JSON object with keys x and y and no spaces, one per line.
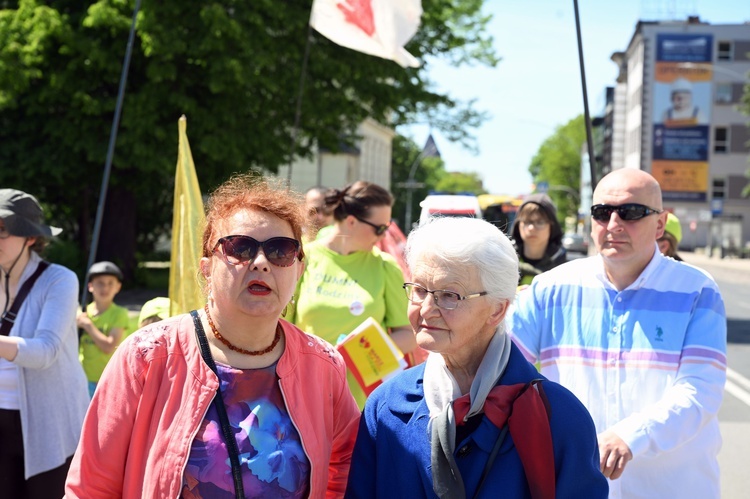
{"x":404,"y":338}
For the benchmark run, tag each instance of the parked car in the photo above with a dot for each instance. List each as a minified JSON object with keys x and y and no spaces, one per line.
{"x":575,"y":243}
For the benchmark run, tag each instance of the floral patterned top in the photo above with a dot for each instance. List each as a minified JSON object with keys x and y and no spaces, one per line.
{"x":273,"y":461}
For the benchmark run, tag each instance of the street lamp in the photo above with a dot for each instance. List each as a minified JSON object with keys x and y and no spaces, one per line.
{"x":410,"y":185}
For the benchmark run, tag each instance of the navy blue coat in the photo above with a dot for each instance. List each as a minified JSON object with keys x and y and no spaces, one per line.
{"x":392,"y":454}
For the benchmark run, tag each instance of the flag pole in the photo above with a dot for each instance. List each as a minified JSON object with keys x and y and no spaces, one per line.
{"x":298,"y":110}
{"x":110,"y":154}
{"x":587,"y":116}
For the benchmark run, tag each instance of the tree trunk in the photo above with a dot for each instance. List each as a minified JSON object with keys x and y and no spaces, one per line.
{"x":117,"y":242}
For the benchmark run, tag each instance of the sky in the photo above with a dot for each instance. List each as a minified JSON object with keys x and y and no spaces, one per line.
{"x":536,"y":87}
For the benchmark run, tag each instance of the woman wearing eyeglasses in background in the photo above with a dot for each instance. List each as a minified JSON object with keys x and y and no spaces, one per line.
{"x":282,"y":423}
{"x":476,"y":419}
{"x":537,"y":237}
{"x":347,"y":280}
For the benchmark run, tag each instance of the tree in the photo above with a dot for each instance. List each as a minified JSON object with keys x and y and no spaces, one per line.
{"x":558,"y":162}
{"x":429,"y":172}
{"x":745,"y":109}
{"x":461,"y":183}
{"x":232,"y":67}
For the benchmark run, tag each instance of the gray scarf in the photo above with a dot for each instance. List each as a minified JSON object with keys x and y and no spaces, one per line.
{"x":440,"y":390}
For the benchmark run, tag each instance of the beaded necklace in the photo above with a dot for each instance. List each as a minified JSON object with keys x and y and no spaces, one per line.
{"x":236,"y":348}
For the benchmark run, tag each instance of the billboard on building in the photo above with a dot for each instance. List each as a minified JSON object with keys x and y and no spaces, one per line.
{"x":681,"y":115}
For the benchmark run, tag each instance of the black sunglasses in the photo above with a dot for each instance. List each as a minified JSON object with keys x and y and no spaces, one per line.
{"x":379,"y":229}
{"x":280,"y":251}
{"x":628,"y":211}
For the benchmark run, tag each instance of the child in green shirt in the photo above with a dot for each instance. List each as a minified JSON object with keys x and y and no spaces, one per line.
{"x":104,"y":322}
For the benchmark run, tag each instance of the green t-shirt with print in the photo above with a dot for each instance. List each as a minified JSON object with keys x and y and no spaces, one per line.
{"x":92,"y":358}
{"x":337,"y":292}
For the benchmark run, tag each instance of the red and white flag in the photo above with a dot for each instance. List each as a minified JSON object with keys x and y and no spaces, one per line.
{"x":376,"y":27}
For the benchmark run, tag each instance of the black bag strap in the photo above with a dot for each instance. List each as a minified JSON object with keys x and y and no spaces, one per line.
{"x":226,"y":430}
{"x":9,"y":317}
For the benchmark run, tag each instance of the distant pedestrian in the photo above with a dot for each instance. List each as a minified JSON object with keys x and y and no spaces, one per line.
{"x":641,"y":340}
{"x":320,"y":215}
{"x":154,"y":310}
{"x":104,"y":322}
{"x":537,"y":236}
{"x":671,"y":238}
{"x":43,"y":395}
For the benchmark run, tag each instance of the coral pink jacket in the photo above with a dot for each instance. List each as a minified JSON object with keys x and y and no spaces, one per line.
{"x":156,"y":390}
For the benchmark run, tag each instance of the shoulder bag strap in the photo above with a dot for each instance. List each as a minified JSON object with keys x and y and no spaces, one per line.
{"x":7,"y":320}
{"x":226,"y":430}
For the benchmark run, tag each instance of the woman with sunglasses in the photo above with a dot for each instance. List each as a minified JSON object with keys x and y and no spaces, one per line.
{"x":347,"y":280}
{"x":476,"y":419}
{"x":230,"y":400}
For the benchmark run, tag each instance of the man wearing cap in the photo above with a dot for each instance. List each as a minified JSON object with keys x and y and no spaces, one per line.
{"x":43,"y":396}
{"x":671,"y":238}
{"x":104,"y":322}
{"x":640,"y":339}
{"x":154,"y":310}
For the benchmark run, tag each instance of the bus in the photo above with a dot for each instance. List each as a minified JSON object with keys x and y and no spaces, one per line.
{"x":500,"y":210}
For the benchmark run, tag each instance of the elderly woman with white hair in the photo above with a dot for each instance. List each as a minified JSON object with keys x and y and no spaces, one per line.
{"x":476,"y":419}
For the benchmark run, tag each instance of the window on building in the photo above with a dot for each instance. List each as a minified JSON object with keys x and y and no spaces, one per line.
{"x":721,"y":139}
{"x":718,"y":188}
{"x":725,"y":51}
{"x":723,"y":93}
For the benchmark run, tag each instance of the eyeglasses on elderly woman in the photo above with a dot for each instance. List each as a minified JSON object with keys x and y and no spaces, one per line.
{"x":238,"y":250}
{"x":447,"y":300}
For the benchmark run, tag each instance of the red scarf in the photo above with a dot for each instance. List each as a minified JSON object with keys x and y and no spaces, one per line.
{"x":524,"y":407}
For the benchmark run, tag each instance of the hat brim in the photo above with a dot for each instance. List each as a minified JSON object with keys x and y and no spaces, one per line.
{"x":23,"y":227}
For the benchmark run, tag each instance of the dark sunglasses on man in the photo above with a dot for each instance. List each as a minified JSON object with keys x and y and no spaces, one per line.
{"x":238,"y":250}
{"x":629,"y":212}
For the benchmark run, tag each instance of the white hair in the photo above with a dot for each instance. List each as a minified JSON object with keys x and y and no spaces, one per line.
{"x":465,"y":243}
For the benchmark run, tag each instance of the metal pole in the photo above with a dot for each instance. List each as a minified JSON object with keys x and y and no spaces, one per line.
{"x":587,"y":116}
{"x":409,"y":187}
{"x":298,"y":110}
{"x":110,"y":153}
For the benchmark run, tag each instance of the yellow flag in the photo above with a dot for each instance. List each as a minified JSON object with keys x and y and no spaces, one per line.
{"x":188,"y":221}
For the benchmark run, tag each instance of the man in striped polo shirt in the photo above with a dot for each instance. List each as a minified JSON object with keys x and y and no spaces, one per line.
{"x":640,"y":339}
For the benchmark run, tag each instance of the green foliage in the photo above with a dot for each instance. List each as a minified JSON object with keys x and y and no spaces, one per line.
{"x":459,"y":182}
{"x":232,"y":67}
{"x":428,"y":171}
{"x":745,"y":109}
{"x":558,"y":162}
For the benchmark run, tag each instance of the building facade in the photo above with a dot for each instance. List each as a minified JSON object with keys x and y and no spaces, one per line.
{"x":370,"y":160}
{"x":675,"y":105}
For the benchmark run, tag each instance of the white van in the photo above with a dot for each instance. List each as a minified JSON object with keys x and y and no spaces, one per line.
{"x":450,"y":205}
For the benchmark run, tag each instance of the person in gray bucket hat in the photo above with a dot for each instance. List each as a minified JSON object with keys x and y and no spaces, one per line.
{"x":23,"y":215}
{"x":43,"y":390}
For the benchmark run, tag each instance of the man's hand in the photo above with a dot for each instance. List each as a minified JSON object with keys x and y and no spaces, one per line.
{"x":614,"y":454}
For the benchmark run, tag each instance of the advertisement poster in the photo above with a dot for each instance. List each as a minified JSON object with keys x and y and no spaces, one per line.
{"x":681,"y":115}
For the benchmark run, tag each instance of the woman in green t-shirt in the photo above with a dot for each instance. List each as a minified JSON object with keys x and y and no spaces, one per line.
{"x":347,"y":279}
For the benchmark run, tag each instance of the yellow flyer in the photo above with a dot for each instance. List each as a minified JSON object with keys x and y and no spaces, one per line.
{"x":371,"y":355}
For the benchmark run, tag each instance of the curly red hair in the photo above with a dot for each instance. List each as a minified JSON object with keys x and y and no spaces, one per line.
{"x":251,"y":191}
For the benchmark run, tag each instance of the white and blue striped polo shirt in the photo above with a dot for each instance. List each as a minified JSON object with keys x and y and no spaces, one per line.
{"x":649,"y":363}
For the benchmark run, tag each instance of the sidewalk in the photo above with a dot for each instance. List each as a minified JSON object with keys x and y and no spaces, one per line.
{"x":700,"y":259}
{"x":133,"y":299}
